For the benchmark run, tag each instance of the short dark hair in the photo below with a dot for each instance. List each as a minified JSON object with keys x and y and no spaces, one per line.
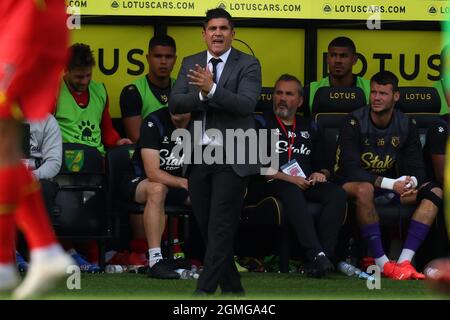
{"x":162,"y":40}
{"x":81,"y":56}
{"x":343,"y":42}
{"x":217,"y":13}
{"x":385,"y":78}
{"x":290,"y":77}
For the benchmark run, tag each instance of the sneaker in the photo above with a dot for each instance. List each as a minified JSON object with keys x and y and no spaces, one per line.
{"x":180,"y":263}
{"x":43,"y":275}
{"x":414,"y":274}
{"x":85,"y":266}
{"x":394,"y":271}
{"x":22,"y":265}
{"x":9,"y":279}
{"x":162,"y":270}
{"x":320,"y":266}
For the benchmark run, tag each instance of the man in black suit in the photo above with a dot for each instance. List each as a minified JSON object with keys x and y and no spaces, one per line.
{"x":220,"y":87}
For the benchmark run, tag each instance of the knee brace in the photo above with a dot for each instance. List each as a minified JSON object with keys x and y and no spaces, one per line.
{"x":426,"y":193}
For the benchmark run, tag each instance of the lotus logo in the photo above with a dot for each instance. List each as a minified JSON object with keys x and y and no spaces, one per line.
{"x":327,"y":8}
{"x":432,"y":10}
{"x":115,"y":5}
{"x":222,"y":5}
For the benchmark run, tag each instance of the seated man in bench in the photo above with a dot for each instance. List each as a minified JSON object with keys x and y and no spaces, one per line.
{"x":303,"y":177}
{"x":434,"y":149}
{"x":156,"y":180}
{"x":379,"y":155}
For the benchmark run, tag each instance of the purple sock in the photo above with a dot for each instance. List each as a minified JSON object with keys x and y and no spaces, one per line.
{"x":372,"y":233}
{"x":417,"y":232}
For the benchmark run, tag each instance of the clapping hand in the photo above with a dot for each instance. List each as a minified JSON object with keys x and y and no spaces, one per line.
{"x":202,"y":78}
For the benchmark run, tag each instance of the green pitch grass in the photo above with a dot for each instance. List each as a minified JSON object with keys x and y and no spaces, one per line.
{"x":258,"y":286}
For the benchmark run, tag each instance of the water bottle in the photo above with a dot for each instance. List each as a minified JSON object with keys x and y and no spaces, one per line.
{"x":346,"y":268}
{"x":114,"y":268}
{"x":195,"y":271}
{"x":363,"y":275}
{"x":351,"y":271}
{"x":186,"y":274}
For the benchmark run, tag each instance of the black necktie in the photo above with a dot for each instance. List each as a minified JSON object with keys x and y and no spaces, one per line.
{"x":214,"y":63}
{"x":208,"y":116}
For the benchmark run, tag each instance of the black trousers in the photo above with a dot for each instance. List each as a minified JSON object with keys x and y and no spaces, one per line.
{"x":49,"y":192}
{"x":217,"y":195}
{"x":314,"y":236}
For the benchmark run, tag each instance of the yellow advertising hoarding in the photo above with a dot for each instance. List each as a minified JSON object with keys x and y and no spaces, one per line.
{"x":120,"y":55}
{"x":278,"y":50}
{"x":431,"y":10}
{"x":412,"y":55}
{"x":120,"y":52}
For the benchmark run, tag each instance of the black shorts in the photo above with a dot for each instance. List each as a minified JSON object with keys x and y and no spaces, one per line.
{"x":380,"y":196}
{"x":175,"y":196}
{"x":385,"y":197}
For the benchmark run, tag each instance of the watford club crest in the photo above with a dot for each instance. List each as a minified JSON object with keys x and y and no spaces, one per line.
{"x":164,"y":98}
{"x":395,"y":141}
{"x":74,"y":160}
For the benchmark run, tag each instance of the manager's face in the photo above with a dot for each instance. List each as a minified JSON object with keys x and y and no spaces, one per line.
{"x":218,"y":35}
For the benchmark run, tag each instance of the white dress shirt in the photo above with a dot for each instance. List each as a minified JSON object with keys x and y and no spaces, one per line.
{"x":219,"y":68}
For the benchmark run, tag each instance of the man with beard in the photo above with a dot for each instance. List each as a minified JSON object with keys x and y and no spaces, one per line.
{"x":303,"y":177}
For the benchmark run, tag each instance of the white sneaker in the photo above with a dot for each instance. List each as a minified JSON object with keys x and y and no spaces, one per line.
{"x":9,"y":278}
{"x":43,"y":275}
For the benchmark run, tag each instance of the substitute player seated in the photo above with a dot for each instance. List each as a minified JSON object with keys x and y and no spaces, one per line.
{"x":379,"y":155}
{"x":157,"y":180}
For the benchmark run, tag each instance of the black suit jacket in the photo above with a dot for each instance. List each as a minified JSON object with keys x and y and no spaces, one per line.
{"x":232,"y":105}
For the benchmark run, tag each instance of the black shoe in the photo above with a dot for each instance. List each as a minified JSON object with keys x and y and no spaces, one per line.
{"x":237,"y":293}
{"x":162,"y":270}
{"x":320,"y":266}
{"x":180,"y":263}
{"x":202,"y":293}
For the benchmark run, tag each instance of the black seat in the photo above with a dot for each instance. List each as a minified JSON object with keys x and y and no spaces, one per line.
{"x":80,"y":205}
{"x":423,"y":122}
{"x":419,"y":100}
{"x":118,"y":163}
{"x":338,"y":100}
{"x":264,"y":103}
{"x":422,"y":104}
